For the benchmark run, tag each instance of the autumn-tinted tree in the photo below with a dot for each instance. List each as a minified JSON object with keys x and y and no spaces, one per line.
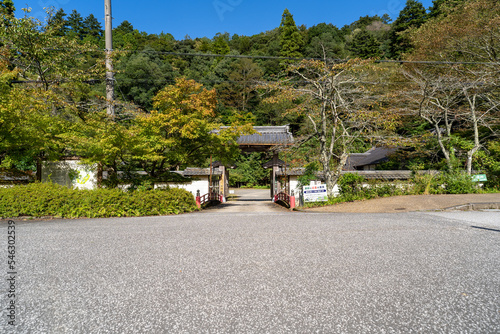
{"x":180,"y":129}
{"x":244,"y":77}
{"x":468,"y":33}
{"x":440,"y":7}
{"x":333,"y":99}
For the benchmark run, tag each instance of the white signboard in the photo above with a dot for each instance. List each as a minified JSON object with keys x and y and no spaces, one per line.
{"x":315,"y":193}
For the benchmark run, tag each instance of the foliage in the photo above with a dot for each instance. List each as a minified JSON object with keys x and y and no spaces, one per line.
{"x":364,"y":45}
{"x":48,"y":199}
{"x":351,"y":184}
{"x":337,"y":103}
{"x":461,"y":101}
{"x":249,"y":171}
{"x":412,"y":16}
{"x":290,"y":38}
{"x":141,"y":75}
{"x":310,"y":174}
{"x":58,"y":108}
{"x":181,"y":129}
{"x":451,"y":182}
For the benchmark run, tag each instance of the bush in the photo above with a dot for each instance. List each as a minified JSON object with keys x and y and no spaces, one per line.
{"x":351,"y":184}
{"x":452,"y":182}
{"x":455,"y":182}
{"x":48,"y":199}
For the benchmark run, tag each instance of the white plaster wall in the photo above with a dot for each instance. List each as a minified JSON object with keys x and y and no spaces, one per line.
{"x":294,"y":185}
{"x":193,"y":187}
{"x":60,"y":172}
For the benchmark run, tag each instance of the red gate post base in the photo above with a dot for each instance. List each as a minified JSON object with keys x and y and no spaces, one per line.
{"x":198,"y":199}
{"x":292,"y":202}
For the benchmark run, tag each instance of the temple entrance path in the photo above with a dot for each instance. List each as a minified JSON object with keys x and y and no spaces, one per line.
{"x":249,"y":200}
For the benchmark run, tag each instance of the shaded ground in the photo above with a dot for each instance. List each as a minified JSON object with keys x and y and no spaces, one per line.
{"x":409,"y":203}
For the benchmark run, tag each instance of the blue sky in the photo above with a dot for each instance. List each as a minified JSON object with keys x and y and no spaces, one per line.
{"x":199,"y":18}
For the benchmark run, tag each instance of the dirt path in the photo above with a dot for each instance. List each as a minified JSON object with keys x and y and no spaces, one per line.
{"x":409,"y":203}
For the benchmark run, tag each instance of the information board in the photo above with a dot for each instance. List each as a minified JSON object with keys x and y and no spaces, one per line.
{"x":479,"y":178}
{"x":315,"y":193}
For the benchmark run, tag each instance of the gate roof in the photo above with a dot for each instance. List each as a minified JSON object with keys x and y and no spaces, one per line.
{"x":265,"y":138}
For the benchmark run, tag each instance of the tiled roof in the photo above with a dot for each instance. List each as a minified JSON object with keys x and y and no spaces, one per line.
{"x":371,"y":157}
{"x":200,"y":171}
{"x":267,"y":135}
{"x":367,"y":174}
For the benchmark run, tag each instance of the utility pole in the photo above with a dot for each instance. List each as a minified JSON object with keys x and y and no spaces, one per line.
{"x":110,"y":79}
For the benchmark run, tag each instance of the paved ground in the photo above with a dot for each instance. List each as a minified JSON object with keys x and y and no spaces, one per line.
{"x":248,"y":200}
{"x":258,"y":272}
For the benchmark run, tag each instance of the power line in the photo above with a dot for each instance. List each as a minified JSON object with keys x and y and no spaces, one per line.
{"x":338,"y":60}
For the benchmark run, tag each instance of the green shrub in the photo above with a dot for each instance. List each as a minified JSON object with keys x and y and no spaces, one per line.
{"x":455,"y":182}
{"x":351,"y":184}
{"x":452,"y":182}
{"x":48,"y":199}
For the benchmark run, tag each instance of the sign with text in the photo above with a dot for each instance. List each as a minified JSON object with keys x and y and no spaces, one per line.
{"x":479,"y":178}
{"x":315,"y":193}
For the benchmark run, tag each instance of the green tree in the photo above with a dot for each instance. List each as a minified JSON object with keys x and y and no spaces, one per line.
{"x":324,"y":40}
{"x":290,"y":38}
{"x":58,"y":22}
{"x":55,"y":92}
{"x":75,"y":24}
{"x":141,"y":75}
{"x":413,"y":16}
{"x":7,"y":7}
{"x":180,"y":131}
{"x":220,"y":44}
{"x":364,"y":45}
{"x":92,"y":29}
{"x":249,"y":171}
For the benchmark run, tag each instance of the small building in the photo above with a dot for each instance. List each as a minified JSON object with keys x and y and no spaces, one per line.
{"x":368,"y":160}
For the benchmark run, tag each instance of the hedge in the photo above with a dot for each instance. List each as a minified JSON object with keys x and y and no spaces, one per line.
{"x":49,"y":199}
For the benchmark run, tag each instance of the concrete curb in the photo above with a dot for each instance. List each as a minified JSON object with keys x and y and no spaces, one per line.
{"x":474,"y":207}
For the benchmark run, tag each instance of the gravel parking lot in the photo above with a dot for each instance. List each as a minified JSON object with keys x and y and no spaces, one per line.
{"x":257,"y":272}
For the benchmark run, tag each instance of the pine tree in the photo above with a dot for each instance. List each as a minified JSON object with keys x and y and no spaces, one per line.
{"x":364,"y":45}
{"x":75,"y":24}
{"x":291,"y":40}
{"x":412,"y":16}
{"x":92,"y":27}
{"x":58,"y":21}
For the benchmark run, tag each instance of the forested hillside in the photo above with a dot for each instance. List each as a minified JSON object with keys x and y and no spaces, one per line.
{"x":425,"y":82}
